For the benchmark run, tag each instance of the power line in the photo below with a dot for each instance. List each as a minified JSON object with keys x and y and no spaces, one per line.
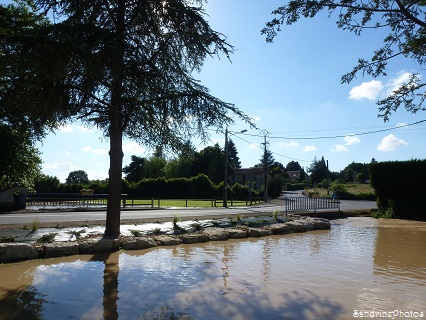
{"x":260,"y":147}
{"x":352,"y":134}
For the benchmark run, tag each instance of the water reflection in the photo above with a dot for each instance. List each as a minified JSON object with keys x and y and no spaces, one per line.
{"x":359,"y":264}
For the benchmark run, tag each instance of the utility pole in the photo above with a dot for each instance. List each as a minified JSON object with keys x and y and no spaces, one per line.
{"x":328,"y":181}
{"x":265,"y":166}
{"x":225,"y":180}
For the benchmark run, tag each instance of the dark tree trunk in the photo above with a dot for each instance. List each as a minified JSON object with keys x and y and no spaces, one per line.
{"x":116,"y":130}
{"x":114,"y":185}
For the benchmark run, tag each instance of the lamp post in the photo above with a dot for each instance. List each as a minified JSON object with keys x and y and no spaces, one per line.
{"x":225,"y":180}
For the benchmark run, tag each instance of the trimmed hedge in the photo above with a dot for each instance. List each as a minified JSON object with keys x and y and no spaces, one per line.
{"x":198,"y":187}
{"x":295,"y":186}
{"x":399,"y":186}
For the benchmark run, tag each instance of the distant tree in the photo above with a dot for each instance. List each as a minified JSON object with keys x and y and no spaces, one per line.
{"x":158,"y":152}
{"x":355,"y":171}
{"x":181,"y":167}
{"x":233,"y":159}
{"x":46,"y":183}
{"x":134,"y":171}
{"x":318,"y":170}
{"x":19,"y":160}
{"x":154,"y":167}
{"x":267,"y":160}
{"x":293,"y":166}
{"x":278,"y":165}
{"x":77,"y":176}
{"x":187,"y":150}
{"x":210,"y":161}
{"x":178,"y":168}
{"x":404,"y":20}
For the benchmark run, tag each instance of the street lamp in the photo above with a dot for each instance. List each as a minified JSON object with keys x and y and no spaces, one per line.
{"x":225,"y":180}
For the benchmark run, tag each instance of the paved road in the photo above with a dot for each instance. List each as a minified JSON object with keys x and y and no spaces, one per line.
{"x":140,"y":214}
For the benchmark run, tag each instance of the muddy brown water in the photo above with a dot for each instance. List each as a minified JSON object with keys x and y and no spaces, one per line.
{"x":360,"y":266}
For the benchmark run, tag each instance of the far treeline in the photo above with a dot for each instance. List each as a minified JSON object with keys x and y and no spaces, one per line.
{"x":181,"y":177}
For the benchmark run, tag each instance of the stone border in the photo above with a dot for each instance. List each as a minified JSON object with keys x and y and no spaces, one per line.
{"x":12,"y":252}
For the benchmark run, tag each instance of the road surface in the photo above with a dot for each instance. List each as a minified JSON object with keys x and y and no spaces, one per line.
{"x":80,"y":217}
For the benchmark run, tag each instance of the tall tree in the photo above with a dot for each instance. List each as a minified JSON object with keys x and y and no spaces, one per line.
{"x":153,"y":167}
{"x":19,"y":160}
{"x":125,"y":66}
{"x":318,"y":170}
{"x":233,"y":159}
{"x":267,"y":160}
{"x":77,"y":176}
{"x":210,"y":161}
{"x":293,"y":166}
{"x":406,"y":25}
{"x":134,"y":171}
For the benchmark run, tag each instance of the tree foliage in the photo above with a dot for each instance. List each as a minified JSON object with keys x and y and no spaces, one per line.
{"x":124,"y":66}
{"x":318,"y":170}
{"x":355,"y":172}
{"x":20,"y":161}
{"x":406,"y":25}
{"x":210,"y":161}
{"x":267,"y":160}
{"x":134,"y":170}
{"x":77,"y":176}
{"x":233,"y":159}
{"x":293,"y":166}
{"x":46,"y":183}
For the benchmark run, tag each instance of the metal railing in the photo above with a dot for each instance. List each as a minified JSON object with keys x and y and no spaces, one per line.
{"x":156,"y":202}
{"x":75,"y":200}
{"x":305,"y":203}
{"x":69,"y":200}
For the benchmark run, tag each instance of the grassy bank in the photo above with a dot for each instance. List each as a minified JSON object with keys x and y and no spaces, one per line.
{"x":347,"y":191}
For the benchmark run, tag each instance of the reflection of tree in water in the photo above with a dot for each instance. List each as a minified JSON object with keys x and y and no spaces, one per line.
{"x":253,"y":304}
{"x":22,"y":304}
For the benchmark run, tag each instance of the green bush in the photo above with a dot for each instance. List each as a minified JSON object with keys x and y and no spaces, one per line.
{"x":295,"y":186}
{"x":399,"y":184}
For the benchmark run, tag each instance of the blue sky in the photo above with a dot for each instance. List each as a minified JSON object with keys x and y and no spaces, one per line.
{"x":291,"y":88}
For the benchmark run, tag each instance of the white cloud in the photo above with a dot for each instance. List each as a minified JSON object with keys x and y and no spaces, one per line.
{"x":133,"y":147}
{"x":66,"y":128}
{"x":94,"y":151}
{"x":288,"y":144}
{"x":256,"y":119}
{"x":59,"y":166}
{"x":367,"y":90}
{"x":351,"y":139}
{"x":391,"y":143}
{"x":339,"y":148}
{"x":400,"y":124}
{"x":54,"y":166}
{"x":395,"y":83}
{"x":67,"y":153}
{"x":309,"y":148}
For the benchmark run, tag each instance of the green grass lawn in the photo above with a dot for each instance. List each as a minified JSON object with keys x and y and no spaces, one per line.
{"x":350,"y":190}
{"x":184,"y":203}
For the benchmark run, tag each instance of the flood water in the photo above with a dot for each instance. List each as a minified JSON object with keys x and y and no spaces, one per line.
{"x":360,"y":266}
